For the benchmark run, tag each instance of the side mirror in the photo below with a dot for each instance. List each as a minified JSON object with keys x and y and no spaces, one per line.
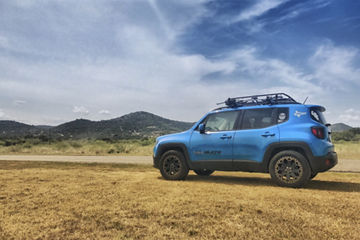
{"x":202,"y":128}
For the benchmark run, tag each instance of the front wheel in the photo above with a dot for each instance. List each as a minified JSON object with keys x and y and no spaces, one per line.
{"x":289,"y":169}
{"x":173,"y":165}
{"x":204,"y":172}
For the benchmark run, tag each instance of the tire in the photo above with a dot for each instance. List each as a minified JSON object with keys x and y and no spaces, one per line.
{"x":313,"y":175}
{"x":204,"y":172}
{"x":289,"y":169}
{"x":173,"y":165}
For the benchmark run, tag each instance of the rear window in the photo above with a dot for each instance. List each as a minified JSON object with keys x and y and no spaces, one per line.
{"x":258,"y":118}
{"x":317,"y":115}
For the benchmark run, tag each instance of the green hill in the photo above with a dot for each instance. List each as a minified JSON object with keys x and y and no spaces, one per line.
{"x":340,"y":127}
{"x":134,"y":125}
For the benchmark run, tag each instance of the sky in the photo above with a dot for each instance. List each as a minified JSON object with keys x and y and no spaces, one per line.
{"x":62,"y":60}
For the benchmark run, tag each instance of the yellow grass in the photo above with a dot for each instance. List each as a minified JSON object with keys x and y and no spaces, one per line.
{"x":73,"y":201}
{"x":348,"y":150}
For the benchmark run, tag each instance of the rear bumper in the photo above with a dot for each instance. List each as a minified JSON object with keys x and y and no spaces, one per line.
{"x":324,"y":163}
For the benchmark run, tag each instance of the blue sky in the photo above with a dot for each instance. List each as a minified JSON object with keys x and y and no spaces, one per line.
{"x":61,"y":60}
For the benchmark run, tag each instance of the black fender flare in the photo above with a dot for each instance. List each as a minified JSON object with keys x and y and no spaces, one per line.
{"x":172,"y":146}
{"x":274,"y":148}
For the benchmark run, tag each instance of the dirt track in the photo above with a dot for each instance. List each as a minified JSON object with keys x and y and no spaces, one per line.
{"x":344,"y":165}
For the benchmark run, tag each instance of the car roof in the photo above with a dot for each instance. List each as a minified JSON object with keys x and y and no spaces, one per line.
{"x":228,"y":109}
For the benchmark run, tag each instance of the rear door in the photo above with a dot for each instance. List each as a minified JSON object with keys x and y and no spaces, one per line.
{"x":256,"y":131}
{"x":214,"y":148}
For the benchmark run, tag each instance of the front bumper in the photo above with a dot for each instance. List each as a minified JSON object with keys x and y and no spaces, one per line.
{"x":324,"y":163}
{"x":156,"y":162}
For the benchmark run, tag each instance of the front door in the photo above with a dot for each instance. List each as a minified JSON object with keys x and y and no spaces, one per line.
{"x":214,"y":148}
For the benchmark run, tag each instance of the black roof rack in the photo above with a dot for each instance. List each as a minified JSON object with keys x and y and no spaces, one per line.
{"x":264,"y":99}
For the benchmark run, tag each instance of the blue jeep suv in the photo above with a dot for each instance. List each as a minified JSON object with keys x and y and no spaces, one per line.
{"x":270,"y":133}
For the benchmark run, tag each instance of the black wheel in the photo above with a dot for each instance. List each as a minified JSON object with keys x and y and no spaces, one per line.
{"x":173,"y":165}
{"x":289,"y":169}
{"x":204,"y":172}
{"x":313,"y":175}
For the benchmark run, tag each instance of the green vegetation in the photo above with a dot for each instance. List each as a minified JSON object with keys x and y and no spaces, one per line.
{"x":77,"y":147}
{"x":347,"y":145}
{"x":352,"y":134}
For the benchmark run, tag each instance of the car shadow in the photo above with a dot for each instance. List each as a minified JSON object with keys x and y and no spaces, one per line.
{"x":333,"y":186}
{"x":258,"y":181}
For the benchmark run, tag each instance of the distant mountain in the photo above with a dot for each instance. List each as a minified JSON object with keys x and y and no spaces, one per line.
{"x":16,"y":129}
{"x":340,"y":127}
{"x":137,"y":124}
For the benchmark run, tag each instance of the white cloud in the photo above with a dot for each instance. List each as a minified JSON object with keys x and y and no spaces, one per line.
{"x":19,"y":102}
{"x":351,"y":117}
{"x":81,"y":110}
{"x":270,"y":71}
{"x":334,"y":66}
{"x":2,"y":114}
{"x":261,"y":7}
{"x":4,"y":42}
{"x":104,"y":112}
{"x":141,"y":67}
{"x":258,"y":9}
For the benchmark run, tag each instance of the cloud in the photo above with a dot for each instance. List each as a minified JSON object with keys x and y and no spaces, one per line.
{"x":351,"y":117}
{"x":2,"y":114}
{"x":129,"y":56}
{"x":4,"y":42}
{"x":256,"y":18}
{"x":104,"y":112}
{"x":81,"y":110}
{"x":19,"y":102}
{"x":336,"y":66}
{"x":253,"y":69}
{"x":298,"y":9}
{"x":258,"y":9}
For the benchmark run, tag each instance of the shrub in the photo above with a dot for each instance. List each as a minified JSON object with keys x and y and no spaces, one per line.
{"x":75,"y":144}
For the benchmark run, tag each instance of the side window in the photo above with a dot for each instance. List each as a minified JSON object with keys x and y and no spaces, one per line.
{"x":223,"y":121}
{"x":258,"y":118}
{"x":282,"y":115}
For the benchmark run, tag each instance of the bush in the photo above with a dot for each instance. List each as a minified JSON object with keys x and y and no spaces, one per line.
{"x":27,"y":145}
{"x":75,"y":144}
{"x":61,"y":145}
{"x":147,"y":142}
{"x":120,"y":148}
{"x":349,"y":135}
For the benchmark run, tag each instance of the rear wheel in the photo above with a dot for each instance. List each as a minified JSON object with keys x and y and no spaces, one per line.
{"x":289,"y":169}
{"x":173,"y":165}
{"x":204,"y":172}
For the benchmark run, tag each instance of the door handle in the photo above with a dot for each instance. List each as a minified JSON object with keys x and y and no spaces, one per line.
{"x":226,"y":137}
{"x":268,"y":135}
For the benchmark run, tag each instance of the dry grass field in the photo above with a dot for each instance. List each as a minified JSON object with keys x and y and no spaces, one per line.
{"x":348,"y":150}
{"x":104,"y":201}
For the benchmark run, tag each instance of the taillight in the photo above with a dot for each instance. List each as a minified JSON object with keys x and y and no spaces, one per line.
{"x":318,"y":132}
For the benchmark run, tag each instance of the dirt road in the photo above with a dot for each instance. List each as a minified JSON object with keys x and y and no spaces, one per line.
{"x":344,"y":165}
